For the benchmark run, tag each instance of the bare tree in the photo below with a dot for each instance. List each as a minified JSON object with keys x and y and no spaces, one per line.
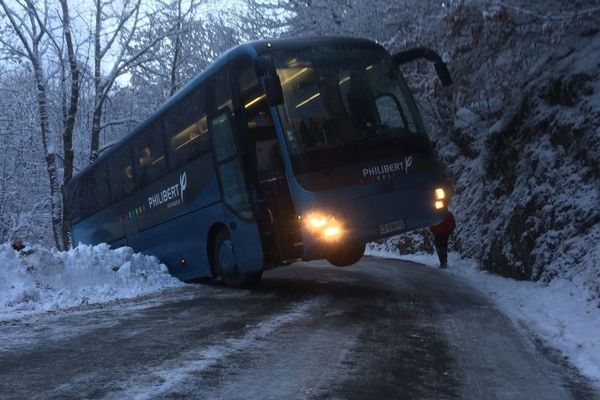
{"x":69,"y":113}
{"x":177,"y":45}
{"x":117,"y":41}
{"x":31,"y":26}
{"x":193,"y":40}
{"x":21,"y":208}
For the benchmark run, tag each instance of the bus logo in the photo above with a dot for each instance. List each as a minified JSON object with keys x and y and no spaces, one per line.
{"x":172,"y":196}
{"x":183,"y":183}
{"x":390,"y":168}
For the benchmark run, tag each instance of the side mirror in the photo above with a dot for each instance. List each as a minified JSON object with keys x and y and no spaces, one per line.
{"x":422,"y":52}
{"x":443,"y":73}
{"x":271,"y":81}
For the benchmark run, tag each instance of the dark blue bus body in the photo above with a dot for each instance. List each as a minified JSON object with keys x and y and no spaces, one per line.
{"x":222,"y":180}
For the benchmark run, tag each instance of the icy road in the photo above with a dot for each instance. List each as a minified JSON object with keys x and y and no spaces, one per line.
{"x":384,"y":329}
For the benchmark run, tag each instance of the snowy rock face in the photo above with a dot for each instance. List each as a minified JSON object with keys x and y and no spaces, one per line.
{"x":528,"y":198}
{"x":40,"y":279}
{"x":520,"y":140}
{"x":542,"y":167}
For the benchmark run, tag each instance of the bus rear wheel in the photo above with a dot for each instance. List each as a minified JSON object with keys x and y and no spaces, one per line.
{"x":346,"y":254}
{"x":225,"y":263}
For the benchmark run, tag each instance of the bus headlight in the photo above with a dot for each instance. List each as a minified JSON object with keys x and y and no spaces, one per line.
{"x":440,"y":197}
{"x":317,"y":221}
{"x":332,"y":231}
{"x":323,"y":225}
{"x":440,"y":194}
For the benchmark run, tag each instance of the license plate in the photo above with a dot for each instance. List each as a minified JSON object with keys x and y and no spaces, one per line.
{"x":391,"y":227}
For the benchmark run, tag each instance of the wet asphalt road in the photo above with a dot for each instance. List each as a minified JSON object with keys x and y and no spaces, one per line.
{"x":381,"y":330}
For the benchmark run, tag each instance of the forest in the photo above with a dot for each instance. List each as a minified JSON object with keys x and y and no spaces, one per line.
{"x":517,"y":134}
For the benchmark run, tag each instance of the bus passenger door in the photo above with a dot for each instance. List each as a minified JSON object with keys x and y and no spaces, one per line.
{"x":237,"y":205}
{"x":276,"y":216}
{"x":280,"y":223}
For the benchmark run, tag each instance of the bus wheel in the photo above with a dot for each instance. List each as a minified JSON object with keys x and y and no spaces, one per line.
{"x":226,"y":264}
{"x":346,"y":254}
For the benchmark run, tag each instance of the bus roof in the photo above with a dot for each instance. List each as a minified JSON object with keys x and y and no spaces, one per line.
{"x":254,"y":49}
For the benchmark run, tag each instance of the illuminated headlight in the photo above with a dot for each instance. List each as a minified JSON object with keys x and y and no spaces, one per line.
{"x":323,"y":225}
{"x":332,"y":231}
{"x":440,"y":194}
{"x":317,"y":222}
{"x":440,"y":197}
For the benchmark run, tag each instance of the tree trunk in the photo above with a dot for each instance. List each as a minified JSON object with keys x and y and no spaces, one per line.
{"x":98,"y":89}
{"x":177,"y":45}
{"x":96,"y":117}
{"x":51,"y":167}
{"x":69,"y":123}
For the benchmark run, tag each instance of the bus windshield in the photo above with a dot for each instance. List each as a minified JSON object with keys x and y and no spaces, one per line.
{"x":342,"y":98}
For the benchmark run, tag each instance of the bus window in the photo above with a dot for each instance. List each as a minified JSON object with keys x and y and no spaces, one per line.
{"x":121,"y":173}
{"x":186,"y":130}
{"x":149,"y":155}
{"x":255,"y":125}
{"x":250,"y":91}
{"x":247,"y":78}
{"x":339,"y":100}
{"x":223,"y":91}
{"x":390,"y":113}
{"x":391,"y":105}
{"x":190,"y":142}
{"x":230,"y":169}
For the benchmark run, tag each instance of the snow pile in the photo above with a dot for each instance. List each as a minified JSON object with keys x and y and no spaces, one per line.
{"x":556,"y":312}
{"x":53,"y":280}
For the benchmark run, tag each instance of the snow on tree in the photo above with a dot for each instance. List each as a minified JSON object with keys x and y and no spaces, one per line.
{"x":32,"y":26}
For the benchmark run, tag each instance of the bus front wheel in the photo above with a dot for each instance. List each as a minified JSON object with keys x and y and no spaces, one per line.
{"x":225,"y":263}
{"x":346,"y":254}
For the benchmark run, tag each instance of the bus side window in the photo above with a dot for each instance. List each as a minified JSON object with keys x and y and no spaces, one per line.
{"x":223,"y":91}
{"x":149,"y":155}
{"x":120,"y":174}
{"x":186,"y":129}
{"x":254,"y":123}
{"x":251,"y":95}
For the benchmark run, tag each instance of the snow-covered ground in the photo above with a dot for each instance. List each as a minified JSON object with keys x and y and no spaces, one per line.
{"x":52,"y":280}
{"x":558,"y":312}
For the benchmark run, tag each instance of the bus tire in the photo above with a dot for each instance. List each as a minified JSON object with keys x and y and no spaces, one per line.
{"x":225,"y":264}
{"x":346,"y":254}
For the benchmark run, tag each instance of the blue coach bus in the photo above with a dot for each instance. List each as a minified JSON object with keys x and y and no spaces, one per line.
{"x":283,"y":150}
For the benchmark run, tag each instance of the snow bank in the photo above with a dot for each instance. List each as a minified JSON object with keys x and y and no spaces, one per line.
{"x":560,"y":312}
{"x":54,"y":280}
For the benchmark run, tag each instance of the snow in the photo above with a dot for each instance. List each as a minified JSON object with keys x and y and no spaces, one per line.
{"x":559,"y":312}
{"x":51,"y":280}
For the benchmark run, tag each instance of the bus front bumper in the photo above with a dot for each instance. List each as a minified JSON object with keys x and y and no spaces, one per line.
{"x":369,"y":218}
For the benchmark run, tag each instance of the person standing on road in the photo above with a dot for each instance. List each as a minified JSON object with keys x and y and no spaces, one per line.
{"x":441,"y":232}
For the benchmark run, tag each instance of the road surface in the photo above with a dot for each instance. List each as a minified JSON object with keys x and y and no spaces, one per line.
{"x":383,"y":329}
